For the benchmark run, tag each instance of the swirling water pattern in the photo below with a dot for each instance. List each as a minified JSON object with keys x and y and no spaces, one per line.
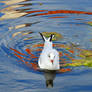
{"x":20,"y":43}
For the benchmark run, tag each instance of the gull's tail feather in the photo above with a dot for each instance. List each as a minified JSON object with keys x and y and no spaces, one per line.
{"x":44,"y":38}
{"x":49,"y":83}
{"x":51,"y":37}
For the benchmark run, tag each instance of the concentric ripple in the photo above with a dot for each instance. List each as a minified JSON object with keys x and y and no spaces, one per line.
{"x":70,"y":21}
{"x":28,"y":52}
{"x":21,"y":45}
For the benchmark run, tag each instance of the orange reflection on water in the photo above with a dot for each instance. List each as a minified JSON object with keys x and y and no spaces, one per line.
{"x":17,"y":51}
{"x":64,"y":70}
{"x":65,"y":12}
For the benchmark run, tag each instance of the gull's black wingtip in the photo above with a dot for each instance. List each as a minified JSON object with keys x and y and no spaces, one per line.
{"x":51,"y":37}
{"x":42,"y":36}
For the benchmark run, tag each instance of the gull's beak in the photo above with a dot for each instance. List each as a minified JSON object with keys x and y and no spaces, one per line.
{"x":52,"y":61}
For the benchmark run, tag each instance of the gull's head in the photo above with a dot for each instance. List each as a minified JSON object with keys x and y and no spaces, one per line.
{"x":51,"y":56}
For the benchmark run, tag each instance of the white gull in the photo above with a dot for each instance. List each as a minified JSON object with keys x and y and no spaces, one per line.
{"x":49,"y":57}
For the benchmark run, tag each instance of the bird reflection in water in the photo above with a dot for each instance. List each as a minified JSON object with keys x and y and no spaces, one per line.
{"x":49,"y":76}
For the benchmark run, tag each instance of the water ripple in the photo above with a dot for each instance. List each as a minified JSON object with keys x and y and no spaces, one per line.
{"x":20,"y":24}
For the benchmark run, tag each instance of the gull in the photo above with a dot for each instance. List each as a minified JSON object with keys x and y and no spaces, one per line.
{"x":49,"y":57}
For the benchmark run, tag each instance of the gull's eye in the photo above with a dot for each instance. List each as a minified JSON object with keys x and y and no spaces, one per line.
{"x":49,"y":56}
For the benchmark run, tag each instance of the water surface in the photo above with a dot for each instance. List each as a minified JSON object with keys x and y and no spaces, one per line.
{"x":20,"y":24}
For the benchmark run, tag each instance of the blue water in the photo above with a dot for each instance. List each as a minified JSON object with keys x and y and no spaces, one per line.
{"x":15,"y":21}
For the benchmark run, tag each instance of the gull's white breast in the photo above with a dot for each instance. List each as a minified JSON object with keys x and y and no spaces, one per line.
{"x":45,"y":63}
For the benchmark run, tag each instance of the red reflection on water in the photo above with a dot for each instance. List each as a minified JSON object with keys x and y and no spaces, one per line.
{"x":17,"y":51}
{"x":71,"y":51}
{"x":65,"y":12}
{"x":64,"y":70}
